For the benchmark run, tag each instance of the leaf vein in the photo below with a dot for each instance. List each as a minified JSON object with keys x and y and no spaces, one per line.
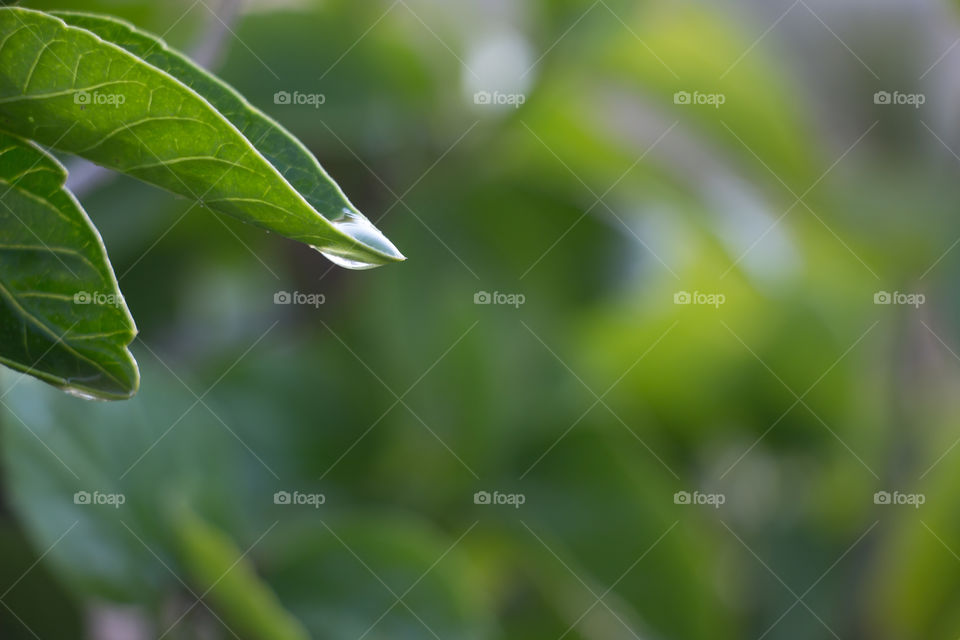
{"x":51,"y":333}
{"x":164,"y":163}
{"x":40,"y":199}
{"x":130,"y":125}
{"x":65,"y":92}
{"x":33,"y":67}
{"x":66,"y":251}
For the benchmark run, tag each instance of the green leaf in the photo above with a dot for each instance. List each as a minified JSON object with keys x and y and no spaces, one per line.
{"x":98,"y":88}
{"x":62,"y":318}
{"x":143,"y":552}
{"x":51,"y":450}
{"x":341,"y":574}
{"x":222,"y":571}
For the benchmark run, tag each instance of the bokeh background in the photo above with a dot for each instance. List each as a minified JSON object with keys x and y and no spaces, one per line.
{"x":665,"y":471}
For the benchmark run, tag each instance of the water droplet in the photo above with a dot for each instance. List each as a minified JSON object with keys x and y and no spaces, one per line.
{"x":347,"y":263}
{"x":80,"y":393}
{"x":362,"y":230}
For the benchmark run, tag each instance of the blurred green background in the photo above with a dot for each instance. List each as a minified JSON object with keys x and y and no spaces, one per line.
{"x":665,"y":471}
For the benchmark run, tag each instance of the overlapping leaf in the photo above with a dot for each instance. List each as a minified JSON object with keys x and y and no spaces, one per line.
{"x":98,"y":88}
{"x":62,"y":317}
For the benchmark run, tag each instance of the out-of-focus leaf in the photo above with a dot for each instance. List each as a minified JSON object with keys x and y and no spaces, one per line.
{"x":651,"y":554}
{"x":119,"y":553}
{"x":54,"y":455}
{"x":221,"y":570}
{"x":32,"y":593}
{"x":696,"y":53}
{"x":918,"y":543}
{"x":167,"y":122}
{"x":62,"y":318}
{"x":343,"y":575}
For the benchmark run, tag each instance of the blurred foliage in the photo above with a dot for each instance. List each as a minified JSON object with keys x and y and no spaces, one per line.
{"x":598,"y":399}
